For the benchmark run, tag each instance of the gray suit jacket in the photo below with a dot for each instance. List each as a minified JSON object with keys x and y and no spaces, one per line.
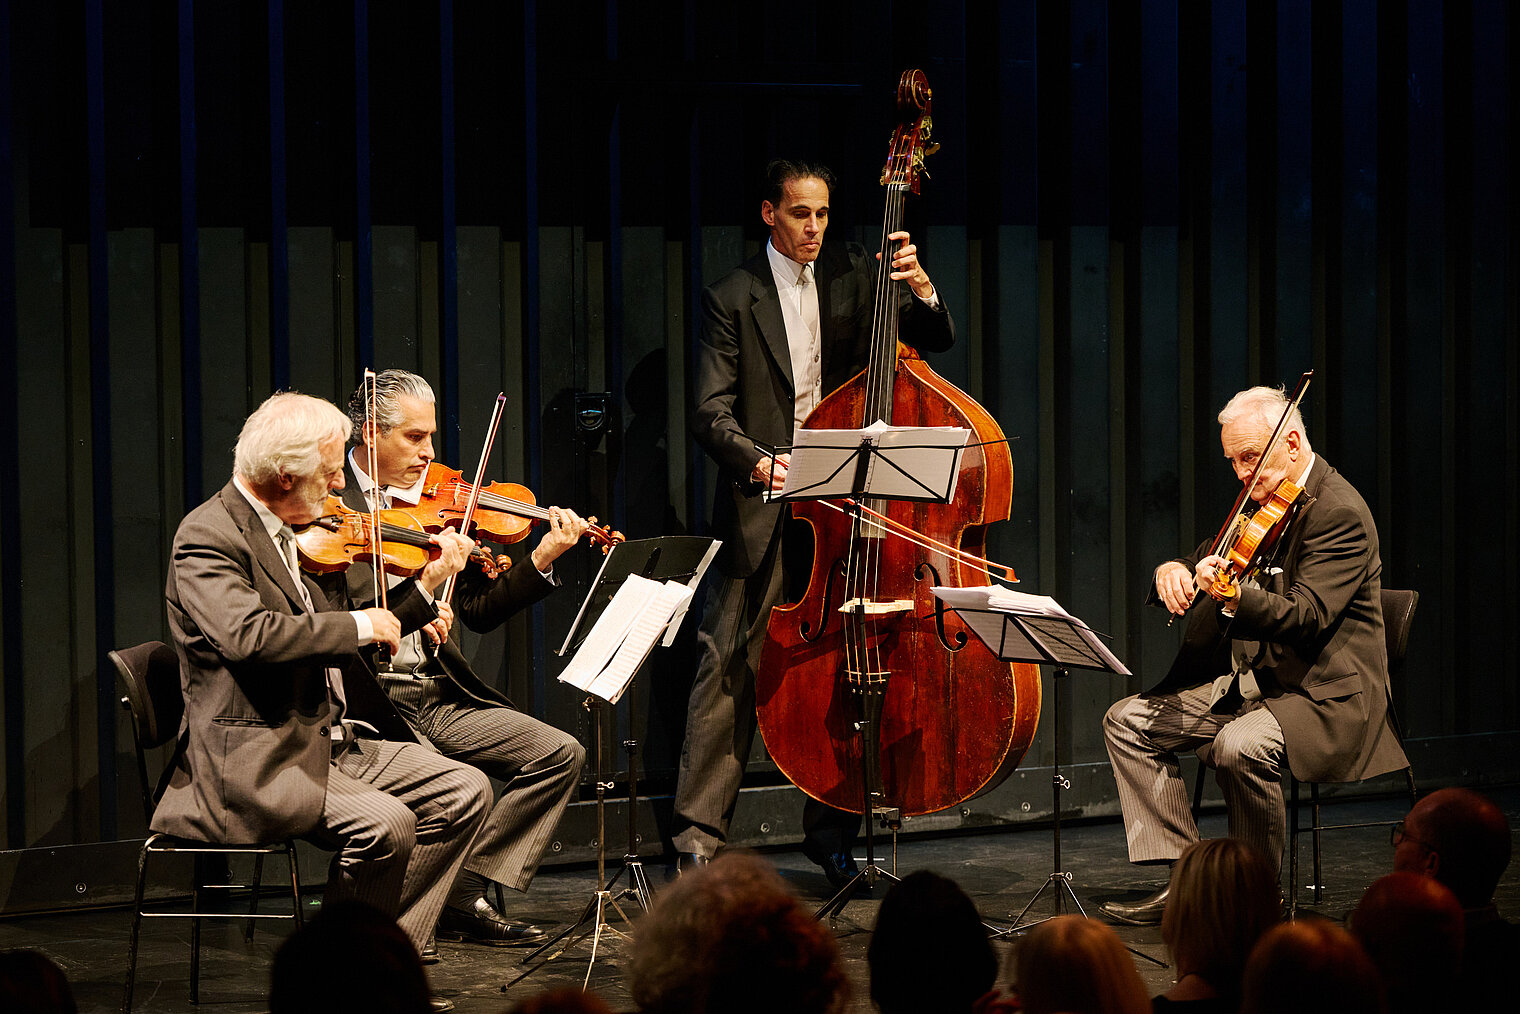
{"x":1323,"y":663}
{"x":744,"y":390}
{"x":254,"y":746}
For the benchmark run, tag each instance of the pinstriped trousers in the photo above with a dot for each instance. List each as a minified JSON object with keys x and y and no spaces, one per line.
{"x":539,"y":765}
{"x":1144,"y":735}
{"x":401,"y":819}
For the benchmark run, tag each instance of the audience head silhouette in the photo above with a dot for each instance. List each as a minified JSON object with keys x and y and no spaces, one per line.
{"x":1223,"y":897}
{"x":1411,"y":928}
{"x":30,"y":983}
{"x":927,"y":922}
{"x":730,"y":937}
{"x":1460,"y":838}
{"x":357,"y":956}
{"x":1076,"y":965}
{"x":1310,"y":967}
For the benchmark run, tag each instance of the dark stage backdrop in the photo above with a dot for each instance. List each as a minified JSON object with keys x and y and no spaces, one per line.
{"x":1138,"y":210}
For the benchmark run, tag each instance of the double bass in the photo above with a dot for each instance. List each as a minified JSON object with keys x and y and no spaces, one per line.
{"x":943,"y":718}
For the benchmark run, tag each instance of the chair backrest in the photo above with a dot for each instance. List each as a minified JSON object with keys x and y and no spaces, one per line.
{"x":149,"y":675}
{"x":1398,"y":616}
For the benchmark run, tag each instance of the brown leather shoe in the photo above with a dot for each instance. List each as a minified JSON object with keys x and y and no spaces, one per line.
{"x":440,"y":1004}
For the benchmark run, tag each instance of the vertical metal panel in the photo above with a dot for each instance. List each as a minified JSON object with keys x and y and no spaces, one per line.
{"x":12,"y":752}
{"x":100,"y":426}
{"x":316,"y":367}
{"x":228,"y":391}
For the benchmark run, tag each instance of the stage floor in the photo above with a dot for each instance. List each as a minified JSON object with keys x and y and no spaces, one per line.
{"x":1000,"y":870}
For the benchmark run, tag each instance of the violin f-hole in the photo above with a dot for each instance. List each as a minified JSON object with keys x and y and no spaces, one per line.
{"x":806,"y":628}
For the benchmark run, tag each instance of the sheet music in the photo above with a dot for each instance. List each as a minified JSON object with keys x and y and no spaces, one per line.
{"x":902,"y":452}
{"x":623,"y":635}
{"x":1043,"y":631}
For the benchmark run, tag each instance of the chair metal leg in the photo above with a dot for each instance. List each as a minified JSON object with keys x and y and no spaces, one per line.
{"x":1292,"y":848}
{"x":295,"y":884}
{"x":253,"y":904}
{"x":137,"y":906}
{"x":195,"y":942}
{"x":1319,"y":879}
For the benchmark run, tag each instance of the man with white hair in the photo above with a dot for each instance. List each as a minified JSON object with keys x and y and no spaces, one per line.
{"x":1291,"y":667}
{"x":269,"y":663}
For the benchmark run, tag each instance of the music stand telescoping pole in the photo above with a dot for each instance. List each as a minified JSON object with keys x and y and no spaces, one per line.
{"x":682,"y":559}
{"x":1034,"y":628}
{"x":877,"y":463}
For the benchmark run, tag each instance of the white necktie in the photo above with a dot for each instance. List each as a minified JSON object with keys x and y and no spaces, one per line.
{"x":808,"y":297}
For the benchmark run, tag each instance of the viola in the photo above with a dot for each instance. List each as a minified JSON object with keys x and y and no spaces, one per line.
{"x":342,"y":535}
{"x":505,"y":511}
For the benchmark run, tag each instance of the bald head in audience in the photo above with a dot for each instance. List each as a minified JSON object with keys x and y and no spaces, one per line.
{"x":1460,"y":838}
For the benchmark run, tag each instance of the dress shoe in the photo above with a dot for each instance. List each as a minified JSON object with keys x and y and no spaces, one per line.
{"x":482,"y":924}
{"x":429,"y":953}
{"x":689,"y":861}
{"x":1145,"y":912}
{"x":440,"y":1004}
{"x":839,"y":867}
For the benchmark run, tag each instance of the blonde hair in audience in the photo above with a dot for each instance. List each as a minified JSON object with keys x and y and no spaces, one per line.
{"x":1077,"y":965}
{"x":1223,"y":898}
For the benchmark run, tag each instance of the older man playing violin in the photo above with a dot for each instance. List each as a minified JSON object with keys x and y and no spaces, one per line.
{"x":272,"y":743}
{"x":1291,"y":668}
{"x":433,"y":686}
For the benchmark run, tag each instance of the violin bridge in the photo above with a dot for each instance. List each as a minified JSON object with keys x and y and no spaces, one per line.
{"x":877,"y":607}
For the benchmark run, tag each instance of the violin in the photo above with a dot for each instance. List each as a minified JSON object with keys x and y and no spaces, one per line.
{"x":1245,"y":538}
{"x":504,"y":511}
{"x":342,"y":535}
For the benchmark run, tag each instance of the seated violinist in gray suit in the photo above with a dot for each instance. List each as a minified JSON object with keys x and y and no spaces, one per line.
{"x":270,"y":668}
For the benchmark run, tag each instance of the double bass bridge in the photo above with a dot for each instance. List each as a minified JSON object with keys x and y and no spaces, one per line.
{"x":869,"y":608}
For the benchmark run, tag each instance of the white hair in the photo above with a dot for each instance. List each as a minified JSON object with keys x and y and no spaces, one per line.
{"x":1264,"y":405}
{"x":390,"y":385}
{"x":283,"y":436}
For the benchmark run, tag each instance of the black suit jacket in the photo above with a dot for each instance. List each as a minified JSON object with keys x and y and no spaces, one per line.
{"x":483,"y":603}
{"x":1323,"y":666}
{"x":744,"y":392}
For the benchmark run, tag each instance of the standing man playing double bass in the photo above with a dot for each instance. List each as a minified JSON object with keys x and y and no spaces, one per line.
{"x":778,"y":333}
{"x":438,"y":693}
{"x":1294,"y":670}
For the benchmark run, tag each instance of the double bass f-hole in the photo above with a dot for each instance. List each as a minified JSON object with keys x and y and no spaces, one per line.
{"x":929,"y":572}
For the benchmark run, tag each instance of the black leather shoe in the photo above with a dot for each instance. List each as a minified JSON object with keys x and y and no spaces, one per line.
{"x":429,"y":953}
{"x":839,"y":867}
{"x":689,"y":861}
{"x":440,"y":1004}
{"x":482,"y":924}
{"x":1145,"y":912}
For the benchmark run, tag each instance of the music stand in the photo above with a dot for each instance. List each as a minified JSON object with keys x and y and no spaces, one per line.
{"x":1034,"y":628}
{"x":683,"y":559}
{"x":878,"y":463}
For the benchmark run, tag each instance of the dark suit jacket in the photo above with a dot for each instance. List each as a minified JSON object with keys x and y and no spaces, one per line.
{"x":254,"y":746}
{"x":481,"y":602}
{"x":1323,"y":667}
{"x":744,"y":392}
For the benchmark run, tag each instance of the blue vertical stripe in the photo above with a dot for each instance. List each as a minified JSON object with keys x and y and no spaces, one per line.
{"x":364,"y":243}
{"x":189,"y":263}
{"x":532,"y":307}
{"x":448,"y":310}
{"x":10,"y":495}
{"x":100,"y":421}
{"x":279,"y":244}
